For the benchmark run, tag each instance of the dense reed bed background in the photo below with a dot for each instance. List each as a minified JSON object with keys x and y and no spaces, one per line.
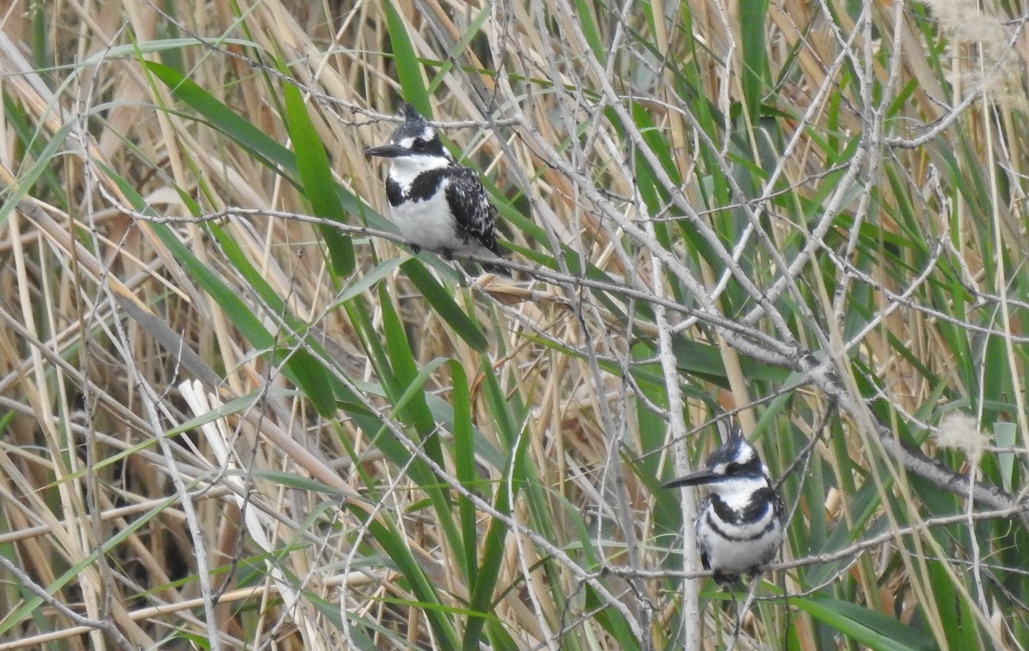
{"x":239,"y":414}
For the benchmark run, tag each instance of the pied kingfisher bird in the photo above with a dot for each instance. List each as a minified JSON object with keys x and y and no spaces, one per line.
{"x":437,"y":204}
{"x":741,"y":522}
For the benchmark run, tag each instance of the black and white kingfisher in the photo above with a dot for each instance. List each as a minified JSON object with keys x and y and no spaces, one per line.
{"x":437,"y":204}
{"x":741,"y":522}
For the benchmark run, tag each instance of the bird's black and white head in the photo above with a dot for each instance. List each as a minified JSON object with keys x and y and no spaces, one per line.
{"x":414,"y":147}
{"x":734,"y":472}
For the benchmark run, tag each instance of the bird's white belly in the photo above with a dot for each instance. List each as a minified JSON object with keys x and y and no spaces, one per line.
{"x":753,"y":545}
{"x":429,"y":225}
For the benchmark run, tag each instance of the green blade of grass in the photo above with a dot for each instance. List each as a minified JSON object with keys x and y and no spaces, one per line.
{"x":264,"y":149}
{"x":319,"y":186}
{"x":394,"y":544}
{"x":415,"y":411}
{"x":464,"y":462}
{"x":753,"y":24}
{"x":300,"y":366}
{"x":494,"y":548}
{"x":864,"y":626}
{"x":261,"y":146}
{"x":442,"y":302}
{"x":408,"y":66}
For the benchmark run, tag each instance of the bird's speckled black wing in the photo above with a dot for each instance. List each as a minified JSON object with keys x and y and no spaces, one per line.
{"x":475,"y":215}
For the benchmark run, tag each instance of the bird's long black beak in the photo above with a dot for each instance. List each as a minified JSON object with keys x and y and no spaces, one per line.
{"x":693,"y":479}
{"x":385,"y":151}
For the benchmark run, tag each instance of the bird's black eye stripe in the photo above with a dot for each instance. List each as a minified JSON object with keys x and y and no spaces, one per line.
{"x":419,"y":143}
